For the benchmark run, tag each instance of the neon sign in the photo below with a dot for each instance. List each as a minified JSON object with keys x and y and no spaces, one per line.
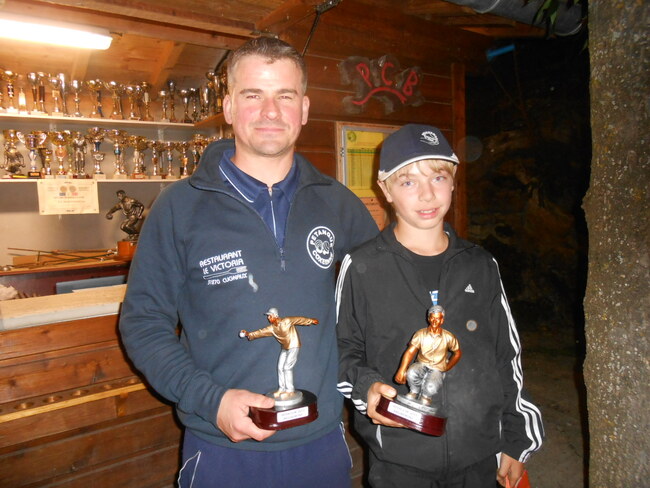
{"x":382,"y":79}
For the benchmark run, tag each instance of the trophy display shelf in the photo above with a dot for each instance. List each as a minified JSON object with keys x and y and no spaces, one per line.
{"x":95,"y":121}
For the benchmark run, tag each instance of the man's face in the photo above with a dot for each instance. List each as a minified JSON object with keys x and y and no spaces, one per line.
{"x":436,"y":320}
{"x":266,"y":106}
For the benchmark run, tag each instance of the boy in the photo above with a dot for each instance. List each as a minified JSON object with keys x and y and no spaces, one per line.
{"x":384,"y":291}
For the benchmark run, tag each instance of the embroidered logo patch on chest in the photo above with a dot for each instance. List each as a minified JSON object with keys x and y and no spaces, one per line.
{"x":320,"y":246}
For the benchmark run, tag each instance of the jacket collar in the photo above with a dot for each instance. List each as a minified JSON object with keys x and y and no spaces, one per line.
{"x":208,"y":177}
{"x":388,"y":242}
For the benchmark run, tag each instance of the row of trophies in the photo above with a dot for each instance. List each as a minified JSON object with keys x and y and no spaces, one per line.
{"x":198,"y":103}
{"x":70,"y":148}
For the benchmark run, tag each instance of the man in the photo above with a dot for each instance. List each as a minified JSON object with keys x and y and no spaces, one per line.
{"x":284,"y":331}
{"x":432,"y":346}
{"x":255,"y":226}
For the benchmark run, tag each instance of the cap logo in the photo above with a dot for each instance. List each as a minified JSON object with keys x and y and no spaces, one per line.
{"x":430,"y":138}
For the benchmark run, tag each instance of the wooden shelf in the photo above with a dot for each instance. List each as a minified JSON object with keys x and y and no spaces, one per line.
{"x":214,"y":121}
{"x":95,"y":122}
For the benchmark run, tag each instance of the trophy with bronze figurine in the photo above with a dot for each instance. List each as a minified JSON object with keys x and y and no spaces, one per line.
{"x":133,"y":211}
{"x":13,"y":159}
{"x":435,"y":351}
{"x":293,"y":407}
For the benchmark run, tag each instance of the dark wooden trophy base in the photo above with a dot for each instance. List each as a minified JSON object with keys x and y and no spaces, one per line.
{"x":126,"y":250}
{"x":279,"y":418}
{"x":411,"y":418}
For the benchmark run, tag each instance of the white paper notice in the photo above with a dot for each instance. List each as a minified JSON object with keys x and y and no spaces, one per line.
{"x":57,"y":197}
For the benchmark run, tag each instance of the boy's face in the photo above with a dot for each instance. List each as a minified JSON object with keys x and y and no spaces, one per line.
{"x":420,"y":196}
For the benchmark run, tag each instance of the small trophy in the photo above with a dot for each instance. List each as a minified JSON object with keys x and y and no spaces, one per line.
{"x":157,"y":149}
{"x":10,"y":77}
{"x":292,"y":407}
{"x":139,"y":145}
{"x":185,"y":98}
{"x":437,"y":351}
{"x":171,"y":94}
{"x":32,"y":141}
{"x":199,"y":142}
{"x":76,"y":86}
{"x":196,"y":104}
{"x":133,"y":212}
{"x":61,"y":139}
{"x":13,"y":159}
{"x":95,"y":89}
{"x":56,"y":84}
{"x":65,"y":88}
{"x":95,"y":136}
{"x":146,"y":100}
{"x":134,"y":94}
{"x":169,"y":147}
{"x":183,"y":147}
{"x":120,"y":140}
{"x":116,"y":89}
{"x":78,"y":144}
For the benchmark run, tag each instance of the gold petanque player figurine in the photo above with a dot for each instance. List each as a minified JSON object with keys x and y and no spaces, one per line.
{"x":432,"y":346}
{"x":292,"y":407}
{"x":437,"y":351}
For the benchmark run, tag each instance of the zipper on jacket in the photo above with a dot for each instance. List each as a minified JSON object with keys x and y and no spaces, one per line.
{"x":283,"y":263}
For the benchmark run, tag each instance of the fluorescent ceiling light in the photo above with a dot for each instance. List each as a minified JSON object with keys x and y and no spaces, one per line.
{"x":60,"y":34}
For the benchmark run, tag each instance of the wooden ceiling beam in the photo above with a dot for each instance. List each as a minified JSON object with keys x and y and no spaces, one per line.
{"x":288,"y":14}
{"x":120,"y":24}
{"x":157,"y":11}
{"x":436,"y":8}
{"x":169,"y":55}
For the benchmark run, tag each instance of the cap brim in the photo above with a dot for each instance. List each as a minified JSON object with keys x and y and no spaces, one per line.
{"x":383,"y":175}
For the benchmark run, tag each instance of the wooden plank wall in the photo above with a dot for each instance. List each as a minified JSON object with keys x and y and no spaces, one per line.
{"x":354,"y":29}
{"x":73,"y":412}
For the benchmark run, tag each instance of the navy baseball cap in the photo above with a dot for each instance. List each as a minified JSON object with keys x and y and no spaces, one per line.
{"x":411,"y":143}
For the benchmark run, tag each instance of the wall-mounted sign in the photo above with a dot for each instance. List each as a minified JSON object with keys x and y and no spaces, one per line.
{"x":382,"y":79}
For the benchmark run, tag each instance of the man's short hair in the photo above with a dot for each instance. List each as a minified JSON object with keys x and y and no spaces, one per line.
{"x":272,"y":49}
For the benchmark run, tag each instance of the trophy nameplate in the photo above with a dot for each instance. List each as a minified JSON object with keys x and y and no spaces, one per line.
{"x":411,"y":416}
{"x":283,"y":417}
